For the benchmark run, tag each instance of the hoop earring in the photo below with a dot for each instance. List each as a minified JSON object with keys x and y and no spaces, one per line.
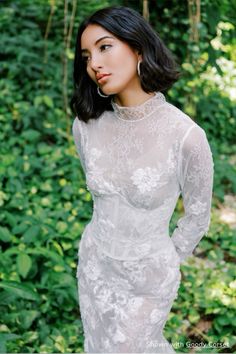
{"x":100,"y":94}
{"x":138,"y":67}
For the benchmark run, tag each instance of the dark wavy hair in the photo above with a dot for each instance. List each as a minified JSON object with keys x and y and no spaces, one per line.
{"x":158,"y":70}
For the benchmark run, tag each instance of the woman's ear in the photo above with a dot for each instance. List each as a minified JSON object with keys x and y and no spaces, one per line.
{"x":140,"y":57}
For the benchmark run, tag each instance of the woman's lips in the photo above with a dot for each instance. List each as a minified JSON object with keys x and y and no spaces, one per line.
{"x":103,"y":78}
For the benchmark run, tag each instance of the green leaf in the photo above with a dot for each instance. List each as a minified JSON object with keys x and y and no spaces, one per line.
{"x":24,"y":264}
{"x":11,"y":219}
{"x":5,"y":235}
{"x":4,"y":337}
{"x":27,"y":317}
{"x":48,"y":101}
{"x":49,"y":254}
{"x":20,"y":229}
{"x":20,"y":290}
{"x":193,"y":316}
{"x":32,"y":233}
{"x":6,"y":298}
{"x":223,"y":320}
{"x":31,"y":135}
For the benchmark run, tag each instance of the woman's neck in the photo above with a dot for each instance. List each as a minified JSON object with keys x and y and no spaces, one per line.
{"x":132,"y":98}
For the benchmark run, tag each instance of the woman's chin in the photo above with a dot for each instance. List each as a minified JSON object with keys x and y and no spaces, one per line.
{"x":108,"y":91}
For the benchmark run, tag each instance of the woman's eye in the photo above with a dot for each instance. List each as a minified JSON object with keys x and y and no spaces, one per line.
{"x":85,"y":59}
{"x":103,"y":47}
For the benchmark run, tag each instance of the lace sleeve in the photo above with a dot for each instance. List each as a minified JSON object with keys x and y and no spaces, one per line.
{"x":79,"y":140}
{"x":196,"y":170}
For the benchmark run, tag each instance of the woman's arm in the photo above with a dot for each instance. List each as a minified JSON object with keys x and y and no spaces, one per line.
{"x":196,"y":170}
{"x":79,"y":140}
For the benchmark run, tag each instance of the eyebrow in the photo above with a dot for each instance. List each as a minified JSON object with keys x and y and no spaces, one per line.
{"x":97,"y":41}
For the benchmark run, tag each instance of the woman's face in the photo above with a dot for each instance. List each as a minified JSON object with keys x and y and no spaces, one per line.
{"x":106,"y":54}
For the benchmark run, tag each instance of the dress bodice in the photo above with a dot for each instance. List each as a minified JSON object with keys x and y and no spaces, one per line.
{"x":137,"y":161}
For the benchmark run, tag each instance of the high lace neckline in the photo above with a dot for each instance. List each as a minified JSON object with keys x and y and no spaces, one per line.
{"x":134,"y":113}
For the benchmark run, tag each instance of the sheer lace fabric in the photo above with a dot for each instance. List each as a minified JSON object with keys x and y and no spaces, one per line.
{"x":137,"y":161}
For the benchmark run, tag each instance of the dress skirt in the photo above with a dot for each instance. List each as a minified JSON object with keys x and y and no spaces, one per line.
{"x":124,"y":304}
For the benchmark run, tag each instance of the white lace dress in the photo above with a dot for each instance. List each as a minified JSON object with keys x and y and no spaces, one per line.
{"x":137,"y":161}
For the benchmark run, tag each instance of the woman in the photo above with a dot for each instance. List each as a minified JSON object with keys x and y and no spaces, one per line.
{"x":138,"y":153}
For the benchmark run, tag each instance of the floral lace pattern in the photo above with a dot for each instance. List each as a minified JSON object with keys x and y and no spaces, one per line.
{"x":121,"y":310}
{"x":129,"y":266}
{"x":146,"y":178}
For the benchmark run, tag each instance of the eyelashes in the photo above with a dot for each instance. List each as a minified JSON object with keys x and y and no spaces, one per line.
{"x":85,"y":58}
{"x":104,"y":45}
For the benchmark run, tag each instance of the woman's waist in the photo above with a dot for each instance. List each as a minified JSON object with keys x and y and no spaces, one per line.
{"x":127,"y":247}
{"x":127,"y":228}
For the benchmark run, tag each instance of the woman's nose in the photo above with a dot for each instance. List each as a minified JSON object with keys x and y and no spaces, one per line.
{"x":95,"y":63}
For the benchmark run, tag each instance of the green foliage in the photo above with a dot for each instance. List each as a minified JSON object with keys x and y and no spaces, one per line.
{"x":224,"y":169}
{"x":43,"y":197}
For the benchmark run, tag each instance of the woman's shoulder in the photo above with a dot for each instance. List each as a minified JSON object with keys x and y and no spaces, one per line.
{"x":79,"y":126}
{"x":190,"y":135}
{"x":80,"y":123}
{"x":181,"y":120}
